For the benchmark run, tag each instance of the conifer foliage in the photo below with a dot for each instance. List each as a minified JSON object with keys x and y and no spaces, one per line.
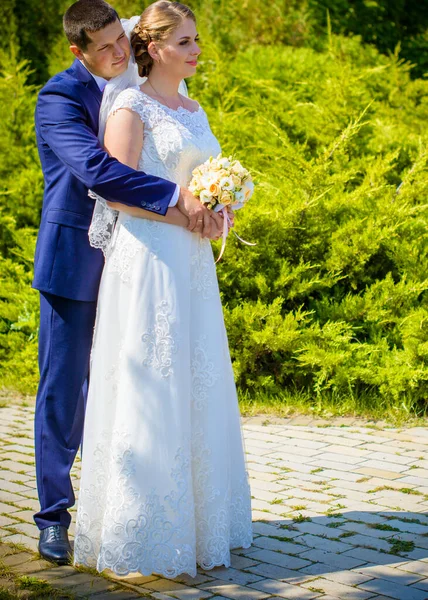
{"x":332,"y":302}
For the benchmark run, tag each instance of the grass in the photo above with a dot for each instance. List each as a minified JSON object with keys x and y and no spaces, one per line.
{"x":290,"y":404}
{"x":382,"y":527}
{"x":301,"y":519}
{"x":401,"y":546}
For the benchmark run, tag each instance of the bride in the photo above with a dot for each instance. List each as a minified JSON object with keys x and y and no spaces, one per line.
{"x":163,"y":485}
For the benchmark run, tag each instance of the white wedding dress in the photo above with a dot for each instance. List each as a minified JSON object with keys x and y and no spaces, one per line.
{"x":164,"y":484}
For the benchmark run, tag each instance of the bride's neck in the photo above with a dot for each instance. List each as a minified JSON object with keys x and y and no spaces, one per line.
{"x":164,"y":85}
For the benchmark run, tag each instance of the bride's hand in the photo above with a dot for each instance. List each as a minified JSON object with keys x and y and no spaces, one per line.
{"x":198,"y":215}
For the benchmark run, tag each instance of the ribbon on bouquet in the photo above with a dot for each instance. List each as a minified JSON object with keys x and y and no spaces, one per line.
{"x":226,"y":223}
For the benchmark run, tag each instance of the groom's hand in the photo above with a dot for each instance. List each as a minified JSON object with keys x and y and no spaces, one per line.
{"x":199,"y":216}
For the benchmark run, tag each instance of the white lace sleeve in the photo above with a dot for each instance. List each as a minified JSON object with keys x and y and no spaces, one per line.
{"x":104,"y":218}
{"x":134,"y":100}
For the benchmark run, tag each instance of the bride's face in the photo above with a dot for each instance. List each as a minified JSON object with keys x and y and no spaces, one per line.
{"x":178,"y":54}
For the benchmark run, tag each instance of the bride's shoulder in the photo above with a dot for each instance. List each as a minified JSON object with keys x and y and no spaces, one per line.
{"x":130,"y":98}
{"x":191,"y":105}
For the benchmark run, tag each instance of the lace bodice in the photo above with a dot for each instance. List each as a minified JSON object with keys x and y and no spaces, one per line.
{"x":175,"y":141}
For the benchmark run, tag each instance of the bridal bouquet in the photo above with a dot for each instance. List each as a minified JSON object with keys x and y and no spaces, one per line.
{"x":220,"y":183}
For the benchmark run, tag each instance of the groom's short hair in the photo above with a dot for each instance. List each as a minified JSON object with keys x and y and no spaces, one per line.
{"x":84,"y":17}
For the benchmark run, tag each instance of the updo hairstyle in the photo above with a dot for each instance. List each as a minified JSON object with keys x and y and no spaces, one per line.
{"x":156,"y":24}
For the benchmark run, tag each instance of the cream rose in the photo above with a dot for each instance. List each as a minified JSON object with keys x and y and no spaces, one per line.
{"x":226,"y":198}
{"x":205,"y":197}
{"x":227,"y":184}
{"x":214,"y":189}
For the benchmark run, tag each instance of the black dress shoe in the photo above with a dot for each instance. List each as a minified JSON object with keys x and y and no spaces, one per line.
{"x":54,"y":544}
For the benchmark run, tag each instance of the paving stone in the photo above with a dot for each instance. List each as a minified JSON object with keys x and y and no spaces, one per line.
{"x":34,"y":566}
{"x":419,"y":567}
{"x":314,"y":541}
{"x":26,"y":503}
{"x":25,"y":515}
{"x":177,"y":589}
{"x":278,"y":545}
{"x":238,"y":592}
{"x":338,"y":589}
{"x":131,"y":578}
{"x":235,"y":576}
{"x":363,"y":529}
{"x":372,"y":556}
{"x":241,"y":562}
{"x":375,"y":472}
{"x":393,"y":590}
{"x":282,"y":560}
{"x":348,"y":577}
{"x":119,"y":595}
{"x":91,"y":587}
{"x":198,"y":580}
{"x":339,"y":561}
{"x":28,"y":529}
{"x":283,"y":590}
{"x":389,"y":573}
{"x":5,"y":521}
{"x":273,"y":571}
{"x":265,"y":529}
{"x":408,"y":527}
{"x":366,"y":540}
{"x":344,"y":455}
{"x":14,"y":560}
{"x":56,"y":573}
{"x":5,"y":550}
{"x":7,"y":496}
{"x":20,"y":538}
{"x":421,"y":585}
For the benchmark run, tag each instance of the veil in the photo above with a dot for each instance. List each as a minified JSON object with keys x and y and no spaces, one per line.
{"x":104,"y":218}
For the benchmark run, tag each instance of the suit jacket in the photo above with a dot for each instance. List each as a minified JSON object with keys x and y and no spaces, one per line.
{"x":72,"y":161}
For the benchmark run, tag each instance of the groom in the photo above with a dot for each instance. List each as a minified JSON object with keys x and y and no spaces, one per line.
{"x":67,"y":269}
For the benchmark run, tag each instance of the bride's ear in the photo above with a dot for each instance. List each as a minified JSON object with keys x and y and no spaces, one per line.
{"x":153,"y":51}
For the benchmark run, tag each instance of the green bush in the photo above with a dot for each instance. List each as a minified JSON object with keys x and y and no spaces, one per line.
{"x":20,"y":202}
{"x":332,"y":301}
{"x":331,"y":304}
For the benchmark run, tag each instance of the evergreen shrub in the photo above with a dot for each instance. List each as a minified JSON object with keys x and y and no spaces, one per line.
{"x":332,"y":301}
{"x":331,"y":304}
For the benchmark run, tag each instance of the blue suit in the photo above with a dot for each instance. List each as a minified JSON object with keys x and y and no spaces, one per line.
{"x":67,"y":270}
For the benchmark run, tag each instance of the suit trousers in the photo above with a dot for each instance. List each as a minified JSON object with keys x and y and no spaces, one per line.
{"x":65,"y":339}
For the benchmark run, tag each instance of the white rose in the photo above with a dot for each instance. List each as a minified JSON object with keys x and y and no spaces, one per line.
{"x":238,"y":169}
{"x":205,"y":196}
{"x":224,"y":163}
{"x":227,"y":184}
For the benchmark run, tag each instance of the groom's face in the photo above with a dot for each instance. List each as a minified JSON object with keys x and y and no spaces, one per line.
{"x":107,"y":54}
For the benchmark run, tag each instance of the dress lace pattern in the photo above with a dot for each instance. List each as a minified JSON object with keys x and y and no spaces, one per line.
{"x":164,"y":485}
{"x":161,"y":342}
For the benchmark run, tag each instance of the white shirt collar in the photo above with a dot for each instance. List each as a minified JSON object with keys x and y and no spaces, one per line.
{"x":100,"y":81}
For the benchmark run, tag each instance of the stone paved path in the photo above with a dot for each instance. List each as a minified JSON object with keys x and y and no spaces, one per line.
{"x":338,"y":513}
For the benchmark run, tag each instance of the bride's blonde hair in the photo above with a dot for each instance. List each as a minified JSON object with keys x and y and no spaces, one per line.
{"x":156,"y":24}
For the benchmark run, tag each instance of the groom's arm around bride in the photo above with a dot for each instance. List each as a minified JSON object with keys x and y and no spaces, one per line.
{"x":67,"y":269}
